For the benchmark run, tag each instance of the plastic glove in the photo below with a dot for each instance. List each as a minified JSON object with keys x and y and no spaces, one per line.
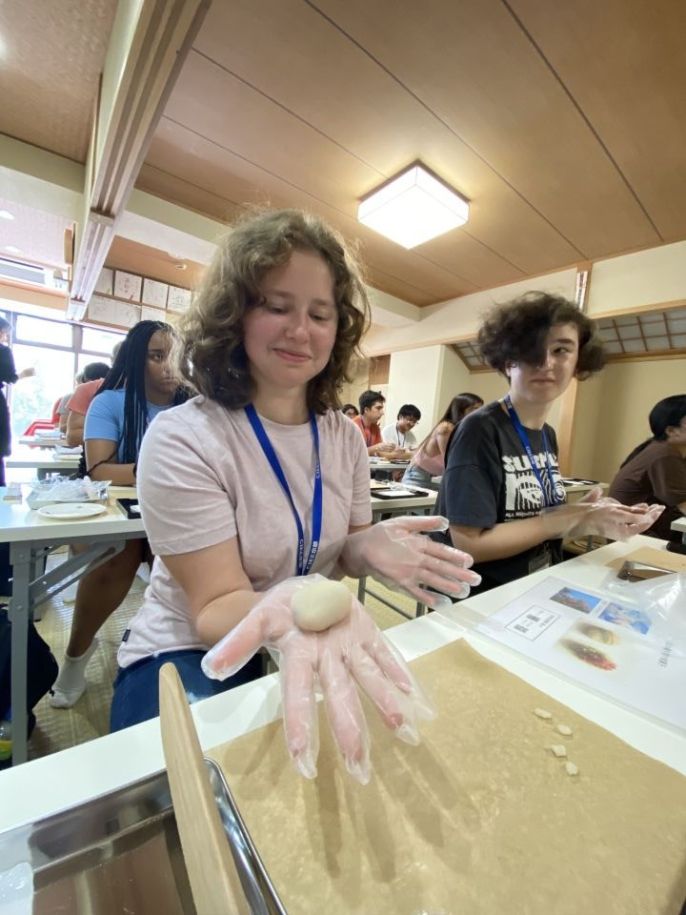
{"x":353,"y":651}
{"x":396,"y":553}
{"x":609,"y":518}
{"x":603,"y":516}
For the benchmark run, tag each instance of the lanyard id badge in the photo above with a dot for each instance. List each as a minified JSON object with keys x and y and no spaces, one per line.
{"x":302,"y":566}
{"x":526,"y":444}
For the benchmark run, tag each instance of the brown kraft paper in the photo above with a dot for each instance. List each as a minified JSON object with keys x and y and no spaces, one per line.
{"x":481,"y":818}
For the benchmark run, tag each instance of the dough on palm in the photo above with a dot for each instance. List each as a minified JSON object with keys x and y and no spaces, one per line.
{"x":320,"y":605}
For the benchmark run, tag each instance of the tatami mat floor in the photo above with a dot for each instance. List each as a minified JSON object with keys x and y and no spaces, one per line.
{"x":58,"y":729}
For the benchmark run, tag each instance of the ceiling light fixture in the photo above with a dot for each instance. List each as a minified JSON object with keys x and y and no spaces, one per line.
{"x":413,"y":207}
{"x":5,"y":214}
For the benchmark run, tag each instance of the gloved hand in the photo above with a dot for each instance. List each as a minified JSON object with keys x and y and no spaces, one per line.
{"x":604,"y":516}
{"x":609,"y":518}
{"x":353,"y":651}
{"x":396,"y":553}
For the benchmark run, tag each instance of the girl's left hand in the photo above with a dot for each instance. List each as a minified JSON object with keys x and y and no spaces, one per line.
{"x":397,"y":553}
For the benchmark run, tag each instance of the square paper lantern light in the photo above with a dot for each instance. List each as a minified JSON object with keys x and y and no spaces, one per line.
{"x":413,"y":207}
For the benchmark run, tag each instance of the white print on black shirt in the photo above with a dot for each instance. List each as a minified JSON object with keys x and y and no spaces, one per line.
{"x":523,"y":496}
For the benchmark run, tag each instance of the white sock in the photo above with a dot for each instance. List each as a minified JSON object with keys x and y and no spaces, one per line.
{"x":71,"y":682}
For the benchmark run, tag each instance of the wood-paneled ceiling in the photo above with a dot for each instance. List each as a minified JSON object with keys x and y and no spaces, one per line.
{"x":563,"y":123}
{"x":51,"y":55}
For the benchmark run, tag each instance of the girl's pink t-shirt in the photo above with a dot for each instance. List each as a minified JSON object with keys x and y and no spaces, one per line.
{"x":203,"y":479}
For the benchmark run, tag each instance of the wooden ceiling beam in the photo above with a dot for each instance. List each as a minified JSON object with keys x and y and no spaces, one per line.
{"x":147,"y":49}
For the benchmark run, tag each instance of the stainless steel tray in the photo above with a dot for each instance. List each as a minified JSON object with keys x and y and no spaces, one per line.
{"x":120,"y":853}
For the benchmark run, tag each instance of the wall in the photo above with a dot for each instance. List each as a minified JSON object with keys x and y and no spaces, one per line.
{"x":456,"y":379}
{"x":430,"y":377}
{"x":32,"y":296}
{"x":459,"y":319}
{"x":415,"y":377}
{"x":351,"y":391}
{"x":612,"y":412}
{"x":638,"y":280}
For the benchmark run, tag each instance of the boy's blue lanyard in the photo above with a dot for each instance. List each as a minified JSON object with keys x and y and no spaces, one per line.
{"x":302,"y":567}
{"x":526,"y":444}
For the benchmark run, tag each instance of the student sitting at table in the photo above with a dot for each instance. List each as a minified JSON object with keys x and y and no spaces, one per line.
{"x":90,"y":378}
{"x":80,"y":401}
{"x":501,"y":489}
{"x":400,"y":432}
{"x":140,"y":385}
{"x":261,"y":481}
{"x":350,"y":410}
{"x":371,"y":411}
{"x":62,"y":409}
{"x":429,"y":458}
{"x":655,"y":471}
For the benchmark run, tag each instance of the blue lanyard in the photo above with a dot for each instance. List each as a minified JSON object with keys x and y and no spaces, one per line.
{"x":302,"y":567}
{"x":526,"y":444}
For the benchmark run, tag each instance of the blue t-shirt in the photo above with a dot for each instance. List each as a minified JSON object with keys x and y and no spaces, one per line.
{"x":105,"y":418}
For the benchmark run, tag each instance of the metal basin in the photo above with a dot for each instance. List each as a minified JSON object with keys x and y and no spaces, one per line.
{"x":120,"y":854}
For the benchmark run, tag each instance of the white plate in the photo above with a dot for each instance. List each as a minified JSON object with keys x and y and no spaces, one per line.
{"x":68,"y":511}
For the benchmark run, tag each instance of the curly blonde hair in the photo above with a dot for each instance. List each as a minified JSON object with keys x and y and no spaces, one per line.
{"x":212,"y":354}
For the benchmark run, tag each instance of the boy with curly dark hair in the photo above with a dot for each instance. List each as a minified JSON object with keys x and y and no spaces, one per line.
{"x":502,"y":490}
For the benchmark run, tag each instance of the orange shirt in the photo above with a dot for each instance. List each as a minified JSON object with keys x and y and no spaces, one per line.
{"x":370,"y":434}
{"x":81,"y":399}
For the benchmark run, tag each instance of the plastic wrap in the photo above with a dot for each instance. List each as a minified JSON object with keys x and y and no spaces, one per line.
{"x":61,"y":489}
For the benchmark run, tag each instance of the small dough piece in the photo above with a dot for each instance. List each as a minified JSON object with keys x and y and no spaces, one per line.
{"x":571,"y":768}
{"x":542,"y":713}
{"x":559,"y":749}
{"x":320,"y":605}
{"x":565,"y":730}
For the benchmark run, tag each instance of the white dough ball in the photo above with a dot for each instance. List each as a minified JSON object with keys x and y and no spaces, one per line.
{"x":319,"y":605}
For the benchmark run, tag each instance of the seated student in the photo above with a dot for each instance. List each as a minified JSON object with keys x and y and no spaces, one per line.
{"x":400,"y":432}
{"x":88,"y":383}
{"x":655,"y":471}
{"x":371,"y":411}
{"x":140,"y":385}
{"x":62,"y":409}
{"x":350,"y":410}
{"x":260,"y":479}
{"x":501,"y":490}
{"x":428,"y":459}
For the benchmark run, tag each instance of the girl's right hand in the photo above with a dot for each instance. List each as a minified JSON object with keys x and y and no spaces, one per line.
{"x":350,"y":655}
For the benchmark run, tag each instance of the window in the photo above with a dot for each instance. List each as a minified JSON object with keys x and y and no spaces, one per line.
{"x":37,"y":330}
{"x":34,"y":398}
{"x":98,"y":341}
{"x":57,"y":350}
{"x":85,"y":359}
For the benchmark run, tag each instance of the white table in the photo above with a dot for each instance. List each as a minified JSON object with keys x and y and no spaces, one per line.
{"x":31,"y":538}
{"x":420,"y":504}
{"x":44,"y":464}
{"x":381,"y":464}
{"x":42,"y":441}
{"x":680,"y":526}
{"x":117,"y":760}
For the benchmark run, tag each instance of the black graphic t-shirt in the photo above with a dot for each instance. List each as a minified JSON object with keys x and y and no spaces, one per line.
{"x":488,"y":480}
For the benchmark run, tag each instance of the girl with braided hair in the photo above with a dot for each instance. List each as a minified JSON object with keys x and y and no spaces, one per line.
{"x":140,"y":384}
